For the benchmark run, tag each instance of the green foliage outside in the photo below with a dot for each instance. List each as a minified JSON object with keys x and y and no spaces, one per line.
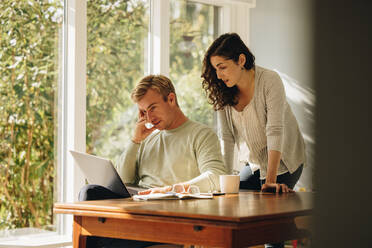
{"x":192,"y":22}
{"x":117,"y":33}
{"x":30,"y":40}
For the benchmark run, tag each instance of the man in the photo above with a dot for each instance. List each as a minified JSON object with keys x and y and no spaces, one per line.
{"x":175,"y":150}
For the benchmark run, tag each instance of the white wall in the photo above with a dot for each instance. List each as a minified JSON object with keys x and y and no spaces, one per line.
{"x":281,"y":37}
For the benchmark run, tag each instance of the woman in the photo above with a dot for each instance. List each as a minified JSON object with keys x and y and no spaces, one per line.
{"x":251,"y":107}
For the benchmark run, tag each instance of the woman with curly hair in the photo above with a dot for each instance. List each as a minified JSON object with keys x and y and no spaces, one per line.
{"x":252,"y":107}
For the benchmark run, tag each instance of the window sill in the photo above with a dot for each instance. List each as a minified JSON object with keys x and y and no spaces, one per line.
{"x":33,"y":237}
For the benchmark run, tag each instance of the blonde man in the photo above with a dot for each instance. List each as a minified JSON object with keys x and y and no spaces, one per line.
{"x":174,"y":150}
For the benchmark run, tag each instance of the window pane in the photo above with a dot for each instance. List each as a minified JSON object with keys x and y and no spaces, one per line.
{"x":117,"y":41}
{"x":193,"y":27}
{"x":30,"y":40}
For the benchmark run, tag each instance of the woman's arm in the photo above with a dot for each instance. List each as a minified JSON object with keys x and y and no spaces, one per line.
{"x":273,"y":165}
{"x":226,"y":139}
{"x":272,"y":168}
{"x":276,"y":103}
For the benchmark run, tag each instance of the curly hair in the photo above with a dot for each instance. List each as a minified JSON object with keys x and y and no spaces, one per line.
{"x":228,"y":46}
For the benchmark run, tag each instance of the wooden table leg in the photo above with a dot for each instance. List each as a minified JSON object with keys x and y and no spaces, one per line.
{"x":79,"y":241}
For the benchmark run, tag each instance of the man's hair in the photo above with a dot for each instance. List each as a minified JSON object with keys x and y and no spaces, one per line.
{"x":159,"y":83}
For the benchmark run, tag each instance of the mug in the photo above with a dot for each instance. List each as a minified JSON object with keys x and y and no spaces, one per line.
{"x":229,"y":183}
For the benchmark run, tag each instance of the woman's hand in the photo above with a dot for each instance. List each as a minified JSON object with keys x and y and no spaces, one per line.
{"x":275,"y":188}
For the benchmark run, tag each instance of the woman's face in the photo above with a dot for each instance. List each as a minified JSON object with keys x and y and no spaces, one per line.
{"x":227,"y":70}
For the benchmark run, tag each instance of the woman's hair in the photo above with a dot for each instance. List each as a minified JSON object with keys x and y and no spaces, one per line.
{"x":159,"y":83}
{"x":228,"y":46}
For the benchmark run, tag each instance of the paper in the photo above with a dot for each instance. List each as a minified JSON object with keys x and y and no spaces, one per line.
{"x":172,"y":195}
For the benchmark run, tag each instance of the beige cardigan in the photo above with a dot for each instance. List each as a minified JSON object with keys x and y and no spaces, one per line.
{"x":276,"y":121}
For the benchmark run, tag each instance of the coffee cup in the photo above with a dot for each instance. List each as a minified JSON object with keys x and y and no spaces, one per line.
{"x":229,"y":184}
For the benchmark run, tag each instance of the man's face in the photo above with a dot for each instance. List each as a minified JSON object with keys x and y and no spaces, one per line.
{"x":157,"y":111}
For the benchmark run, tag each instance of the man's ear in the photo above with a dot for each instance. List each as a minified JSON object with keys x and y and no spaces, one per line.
{"x":241,"y":60}
{"x":172,"y":98}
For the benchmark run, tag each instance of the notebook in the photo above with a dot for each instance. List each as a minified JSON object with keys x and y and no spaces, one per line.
{"x":101,"y":171}
{"x":172,"y":195}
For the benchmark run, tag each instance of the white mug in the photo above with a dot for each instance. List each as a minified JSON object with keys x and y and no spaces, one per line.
{"x":229,"y":183}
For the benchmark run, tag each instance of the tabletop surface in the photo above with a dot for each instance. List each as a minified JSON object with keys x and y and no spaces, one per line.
{"x":242,"y":207}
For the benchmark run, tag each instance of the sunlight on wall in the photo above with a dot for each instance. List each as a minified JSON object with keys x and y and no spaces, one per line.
{"x":296,"y":93}
{"x":302,"y":101}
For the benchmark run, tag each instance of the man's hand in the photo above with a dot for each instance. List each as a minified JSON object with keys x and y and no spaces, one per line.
{"x":141,"y":132}
{"x":164,"y":189}
{"x":275,"y":188}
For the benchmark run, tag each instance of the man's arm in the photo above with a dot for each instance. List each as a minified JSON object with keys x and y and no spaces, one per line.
{"x":126,"y":166}
{"x":209,"y":159}
{"x":128,"y":160}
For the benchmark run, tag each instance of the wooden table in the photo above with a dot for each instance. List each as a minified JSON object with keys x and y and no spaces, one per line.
{"x":233,"y":220}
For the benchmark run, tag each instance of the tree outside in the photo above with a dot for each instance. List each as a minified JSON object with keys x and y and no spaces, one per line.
{"x":117,"y":38}
{"x":193,"y":27}
{"x":29,"y":69}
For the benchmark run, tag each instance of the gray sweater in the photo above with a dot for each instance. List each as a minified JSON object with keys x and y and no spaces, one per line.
{"x":277,"y":128}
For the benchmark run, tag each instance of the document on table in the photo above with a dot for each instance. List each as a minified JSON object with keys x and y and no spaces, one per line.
{"x":172,"y":195}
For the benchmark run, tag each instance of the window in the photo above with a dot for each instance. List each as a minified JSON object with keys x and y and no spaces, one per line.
{"x":116,"y":58}
{"x":30,"y":40}
{"x":193,"y":27}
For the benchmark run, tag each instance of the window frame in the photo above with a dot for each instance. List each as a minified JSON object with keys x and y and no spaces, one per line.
{"x":72,"y":107}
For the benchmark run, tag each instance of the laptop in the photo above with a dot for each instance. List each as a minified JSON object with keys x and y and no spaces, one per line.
{"x":101,"y":171}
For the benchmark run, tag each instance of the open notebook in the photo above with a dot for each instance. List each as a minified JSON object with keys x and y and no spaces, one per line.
{"x":173,"y":195}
